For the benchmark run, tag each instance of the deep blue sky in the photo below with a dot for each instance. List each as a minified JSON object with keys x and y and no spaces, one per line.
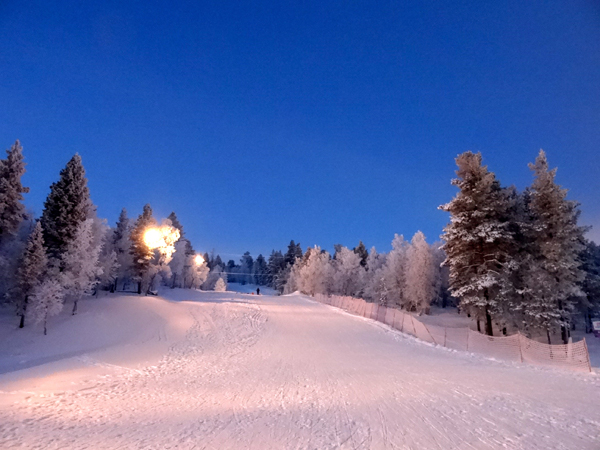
{"x":325,"y":122}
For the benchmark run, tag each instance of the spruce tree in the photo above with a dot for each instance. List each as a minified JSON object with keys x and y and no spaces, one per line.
{"x":553,"y":273}
{"x":121,"y":244}
{"x":189,"y":250}
{"x":12,"y":210}
{"x":31,"y":270}
{"x":479,"y":241}
{"x":141,"y":253}
{"x":275,"y":265}
{"x":259,"y":270}
{"x":590,"y":302}
{"x":362,"y":252}
{"x":68,"y":205}
{"x":291,"y":254}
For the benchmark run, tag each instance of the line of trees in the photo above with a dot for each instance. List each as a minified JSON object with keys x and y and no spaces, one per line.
{"x":510,"y":259}
{"x":408,"y":277}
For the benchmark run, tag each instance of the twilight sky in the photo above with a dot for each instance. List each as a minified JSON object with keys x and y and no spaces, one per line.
{"x":324,"y":122}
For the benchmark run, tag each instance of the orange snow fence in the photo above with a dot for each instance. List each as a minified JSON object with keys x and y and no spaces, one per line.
{"x":517,"y":348}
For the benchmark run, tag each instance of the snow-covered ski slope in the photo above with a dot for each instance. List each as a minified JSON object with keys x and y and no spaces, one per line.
{"x":225,"y":370}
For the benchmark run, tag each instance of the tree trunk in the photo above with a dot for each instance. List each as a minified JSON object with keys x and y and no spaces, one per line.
{"x":74,"y":307}
{"x":139,"y":287}
{"x":113,"y":286}
{"x":488,"y":323}
{"x":548,"y":335}
{"x":22,"y":322}
{"x":478,"y":326}
{"x":174,"y":278}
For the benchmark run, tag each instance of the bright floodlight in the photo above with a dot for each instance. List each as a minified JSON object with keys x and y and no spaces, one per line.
{"x":163,"y":239}
{"x":153,"y":238}
{"x":198,"y":260}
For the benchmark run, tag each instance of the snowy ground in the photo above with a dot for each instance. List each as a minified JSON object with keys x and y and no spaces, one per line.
{"x":231,"y":370}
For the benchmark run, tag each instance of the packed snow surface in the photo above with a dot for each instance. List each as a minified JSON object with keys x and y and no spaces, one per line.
{"x":194,"y":370}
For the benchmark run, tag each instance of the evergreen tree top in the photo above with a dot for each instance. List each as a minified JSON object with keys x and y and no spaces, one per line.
{"x":12,"y":210}
{"x":67,"y":206}
{"x":175,"y":223}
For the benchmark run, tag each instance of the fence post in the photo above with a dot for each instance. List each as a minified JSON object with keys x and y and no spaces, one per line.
{"x":430,"y":335}
{"x":394,"y":319}
{"x":520,"y":348}
{"x":587,"y":353}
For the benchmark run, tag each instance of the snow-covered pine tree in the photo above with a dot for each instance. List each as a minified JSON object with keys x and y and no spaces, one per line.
{"x":589,"y":304}
{"x":142,"y":254}
{"x":189,"y":250}
{"x":362,"y":252}
{"x":478,"y":240}
{"x":31,"y":270}
{"x":12,"y":210}
{"x":67,"y":206}
{"x":221,"y":285}
{"x":46,"y":300}
{"x":420,"y":275}
{"x":553,"y":272}
{"x":121,"y":245}
{"x":80,"y":263}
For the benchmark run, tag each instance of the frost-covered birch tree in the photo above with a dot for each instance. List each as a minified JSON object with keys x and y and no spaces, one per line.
{"x":80,"y":263}
{"x":46,"y":300}
{"x":348,"y":273}
{"x":420,"y":275}
{"x":312,"y":273}
{"x":394,"y":274}
{"x":374,"y":284}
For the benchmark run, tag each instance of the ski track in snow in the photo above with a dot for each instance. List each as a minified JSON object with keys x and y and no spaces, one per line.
{"x":289,"y":373}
